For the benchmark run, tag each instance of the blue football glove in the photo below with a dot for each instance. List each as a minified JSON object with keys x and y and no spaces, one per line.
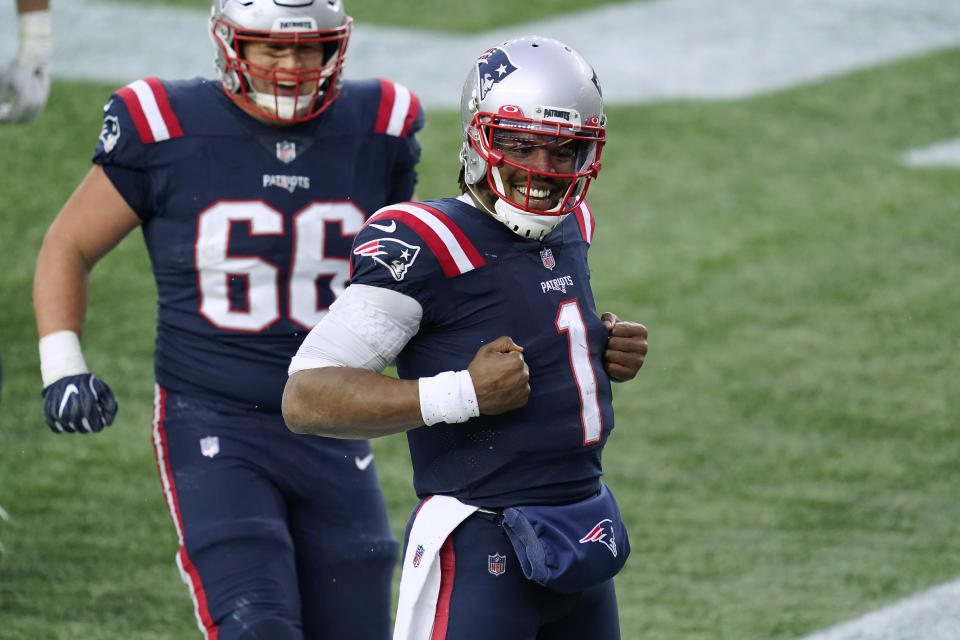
{"x":79,"y":404}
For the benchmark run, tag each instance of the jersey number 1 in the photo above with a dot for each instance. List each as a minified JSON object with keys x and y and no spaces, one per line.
{"x":570,"y":321}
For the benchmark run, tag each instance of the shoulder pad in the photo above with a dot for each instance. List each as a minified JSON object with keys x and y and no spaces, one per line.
{"x":149,"y":108}
{"x":585,"y":221}
{"x":455,"y":253}
{"x":399,"y":113}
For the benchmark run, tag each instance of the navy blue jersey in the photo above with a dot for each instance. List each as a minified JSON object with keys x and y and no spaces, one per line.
{"x":476,"y":280}
{"x":249,"y":226}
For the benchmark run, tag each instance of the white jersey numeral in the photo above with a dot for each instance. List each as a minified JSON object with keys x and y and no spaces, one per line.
{"x":310,"y":269}
{"x":311,"y":264}
{"x":570,"y":321}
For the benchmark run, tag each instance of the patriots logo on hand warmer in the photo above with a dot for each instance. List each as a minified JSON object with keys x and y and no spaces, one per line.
{"x":602,"y":532}
{"x":395,"y":255}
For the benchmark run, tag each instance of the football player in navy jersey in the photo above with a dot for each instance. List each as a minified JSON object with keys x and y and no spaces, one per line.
{"x":248,"y":191}
{"x":504,"y":365}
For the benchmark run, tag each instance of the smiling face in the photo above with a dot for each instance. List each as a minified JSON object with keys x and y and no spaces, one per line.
{"x":530,"y":161}
{"x":284,"y":70}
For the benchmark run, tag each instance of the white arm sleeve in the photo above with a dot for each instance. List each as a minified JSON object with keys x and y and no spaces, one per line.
{"x":365,"y":328}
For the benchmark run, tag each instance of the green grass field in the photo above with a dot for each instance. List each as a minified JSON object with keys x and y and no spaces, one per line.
{"x":786,"y":460}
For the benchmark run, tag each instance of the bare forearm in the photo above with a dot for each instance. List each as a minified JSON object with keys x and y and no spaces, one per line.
{"x":59,"y":288}
{"x":91,"y":223}
{"x":342,"y":402}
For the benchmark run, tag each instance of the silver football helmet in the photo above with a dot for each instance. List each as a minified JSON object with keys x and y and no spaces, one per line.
{"x":296,"y":94}
{"x":531,"y":85}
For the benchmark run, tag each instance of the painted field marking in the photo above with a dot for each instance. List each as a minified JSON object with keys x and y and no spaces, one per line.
{"x":929,"y":615}
{"x":939,"y":155}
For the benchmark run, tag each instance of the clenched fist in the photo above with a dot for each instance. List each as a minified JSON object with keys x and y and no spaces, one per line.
{"x":626,"y":348}
{"x":500,"y":377}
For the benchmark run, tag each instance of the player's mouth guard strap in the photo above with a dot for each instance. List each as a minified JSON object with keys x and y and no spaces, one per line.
{"x":60,"y":356}
{"x":448,"y":397}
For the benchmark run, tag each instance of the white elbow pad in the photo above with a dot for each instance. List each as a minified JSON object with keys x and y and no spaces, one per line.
{"x":365,"y":328}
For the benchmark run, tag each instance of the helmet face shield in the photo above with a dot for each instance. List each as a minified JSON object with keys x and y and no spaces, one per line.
{"x":281,"y":63}
{"x":551,"y":162}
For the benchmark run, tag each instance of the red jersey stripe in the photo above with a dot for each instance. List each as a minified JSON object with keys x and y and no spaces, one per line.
{"x":449,"y":245}
{"x":412,"y":112}
{"x":471,"y":251}
{"x":139,"y":118}
{"x":166,"y":111}
{"x":448,"y":569}
{"x":387,"y":97}
{"x":585,"y":221}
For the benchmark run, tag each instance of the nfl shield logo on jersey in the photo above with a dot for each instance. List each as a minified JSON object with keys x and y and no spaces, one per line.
{"x":546,"y":256}
{"x":286,"y":151}
{"x":418,"y":556}
{"x":497,"y":564}
{"x":210,"y":446}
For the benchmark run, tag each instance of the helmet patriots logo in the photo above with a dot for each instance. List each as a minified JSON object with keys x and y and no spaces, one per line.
{"x":397,"y":256}
{"x":602,"y":532}
{"x":492,"y":67}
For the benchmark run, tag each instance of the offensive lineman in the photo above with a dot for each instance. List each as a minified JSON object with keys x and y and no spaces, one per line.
{"x":485,"y":303}
{"x":248,"y":192}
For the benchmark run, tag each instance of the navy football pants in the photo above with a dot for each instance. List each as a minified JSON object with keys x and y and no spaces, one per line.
{"x":283,"y":536}
{"x":480,"y":601}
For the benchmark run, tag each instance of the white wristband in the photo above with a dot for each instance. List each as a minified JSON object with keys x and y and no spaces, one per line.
{"x":448,"y":397}
{"x":36,"y":36}
{"x":60,"y":356}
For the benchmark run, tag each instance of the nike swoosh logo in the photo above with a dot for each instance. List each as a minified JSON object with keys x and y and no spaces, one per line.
{"x":363,"y":463}
{"x":386,"y":228}
{"x":70,"y":390}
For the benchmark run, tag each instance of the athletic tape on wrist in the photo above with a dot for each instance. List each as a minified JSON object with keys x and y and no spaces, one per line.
{"x":36,"y":36}
{"x":448,"y":397}
{"x":60,"y":356}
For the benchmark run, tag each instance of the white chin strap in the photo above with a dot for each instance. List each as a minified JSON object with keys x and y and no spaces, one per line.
{"x":287,"y":107}
{"x":282,"y":106}
{"x":523,"y":223}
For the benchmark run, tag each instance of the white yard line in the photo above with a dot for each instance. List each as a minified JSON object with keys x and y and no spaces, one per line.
{"x":940,"y":155}
{"x":930,"y":615}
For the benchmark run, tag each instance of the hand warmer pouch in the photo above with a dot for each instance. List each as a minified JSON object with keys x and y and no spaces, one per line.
{"x":572,"y":547}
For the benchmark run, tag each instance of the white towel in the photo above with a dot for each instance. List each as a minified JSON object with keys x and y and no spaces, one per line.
{"x":420,"y":585}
